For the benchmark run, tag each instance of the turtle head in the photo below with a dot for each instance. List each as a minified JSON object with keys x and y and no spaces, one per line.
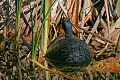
{"x":67,"y":25}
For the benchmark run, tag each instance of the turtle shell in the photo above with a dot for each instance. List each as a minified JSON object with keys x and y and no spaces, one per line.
{"x":67,"y":52}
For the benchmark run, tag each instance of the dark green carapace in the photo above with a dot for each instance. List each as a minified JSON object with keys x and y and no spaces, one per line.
{"x":68,"y":52}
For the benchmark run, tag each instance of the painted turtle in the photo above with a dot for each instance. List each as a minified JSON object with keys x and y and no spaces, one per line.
{"x":67,"y":52}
